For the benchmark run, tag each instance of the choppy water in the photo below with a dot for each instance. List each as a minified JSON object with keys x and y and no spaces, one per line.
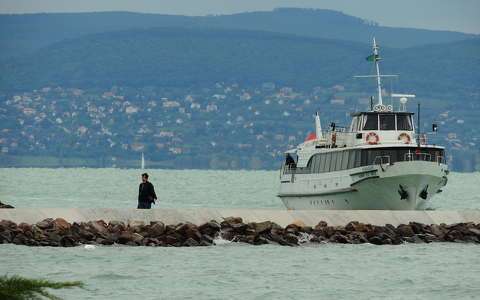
{"x":183,"y":189}
{"x":231,"y":271}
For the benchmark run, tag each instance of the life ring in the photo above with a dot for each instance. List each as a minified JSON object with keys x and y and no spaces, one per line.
{"x":369,"y":140}
{"x":404,"y":137}
{"x":334,"y":138}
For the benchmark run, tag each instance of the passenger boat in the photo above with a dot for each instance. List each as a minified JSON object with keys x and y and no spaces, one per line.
{"x":380,"y":162}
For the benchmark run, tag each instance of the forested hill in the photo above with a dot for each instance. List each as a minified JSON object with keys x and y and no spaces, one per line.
{"x":20,"y":34}
{"x":179,"y":57}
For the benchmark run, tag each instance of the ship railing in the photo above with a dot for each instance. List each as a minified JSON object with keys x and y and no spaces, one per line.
{"x":288,"y":172}
{"x":382,"y":160}
{"x":288,"y":169}
{"x":440,"y":160}
{"x":422,"y":139}
{"x":418,"y":156}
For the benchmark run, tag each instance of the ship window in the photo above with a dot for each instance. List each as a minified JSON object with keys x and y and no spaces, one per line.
{"x":317,"y":163}
{"x":345,"y":160}
{"x":312,"y":164}
{"x":323,"y":157}
{"x":309,"y":164}
{"x":351,"y":159}
{"x":338,"y":163}
{"x":387,"y":122}
{"x":333,"y":161}
{"x":404,"y":122}
{"x":325,"y":162}
{"x":364,"y":160}
{"x":360,"y":122}
{"x":370,"y":122}
{"x":358,"y":158}
{"x":354,"y":124}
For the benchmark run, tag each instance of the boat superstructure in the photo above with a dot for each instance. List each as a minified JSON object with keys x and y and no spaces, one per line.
{"x":379,"y":162}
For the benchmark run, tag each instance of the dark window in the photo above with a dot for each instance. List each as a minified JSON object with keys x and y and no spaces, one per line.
{"x":351,"y":159}
{"x":358,"y":158}
{"x":364,"y":159}
{"x":404,"y":122}
{"x":317,"y":163}
{"x":338,"y":163}
{"x":324,"y":163}
{"x":387,"y":122}
{"x":333,"y":161}
{"x":371,"y":123}
{"x":345,"y":160}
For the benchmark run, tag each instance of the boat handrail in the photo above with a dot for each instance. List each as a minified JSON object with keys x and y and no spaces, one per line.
{"x":383,"y":160}
{"x":440,"y":159}
{"x":417,"y":156}
{"x":288,"y":169}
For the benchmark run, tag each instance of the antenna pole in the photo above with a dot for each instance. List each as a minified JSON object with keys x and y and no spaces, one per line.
{"x":418,"y":123}
{"x":379,"y":82}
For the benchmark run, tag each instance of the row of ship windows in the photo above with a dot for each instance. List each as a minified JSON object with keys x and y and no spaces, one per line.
{"x":349,"y":159}
{"x":382,"y":122}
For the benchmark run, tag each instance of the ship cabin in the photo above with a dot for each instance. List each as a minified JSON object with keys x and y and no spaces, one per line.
{"x":376,"y":128}
{"x":372,"y":138}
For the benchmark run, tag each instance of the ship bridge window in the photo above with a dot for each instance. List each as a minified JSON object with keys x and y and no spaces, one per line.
{"x":370,"y":122}
{"x":387,"y":122}
{"x":404,"y":122}
{"x":354,"y":124}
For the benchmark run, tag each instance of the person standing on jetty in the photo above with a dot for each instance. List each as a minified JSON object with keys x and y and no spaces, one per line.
{"x":146,"y":193}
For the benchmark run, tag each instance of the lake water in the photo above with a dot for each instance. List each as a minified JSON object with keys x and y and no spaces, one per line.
{"x":230,"y":270}
{"x":182,"y":189}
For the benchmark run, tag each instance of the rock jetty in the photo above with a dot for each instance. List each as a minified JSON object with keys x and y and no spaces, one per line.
{"x":60,"y":233}
{"x":3,"y":205}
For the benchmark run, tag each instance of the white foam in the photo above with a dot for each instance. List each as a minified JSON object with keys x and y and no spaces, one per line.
{"x":89,"y":247}
{"x":304,"y":238}
{"x":218,"y":240}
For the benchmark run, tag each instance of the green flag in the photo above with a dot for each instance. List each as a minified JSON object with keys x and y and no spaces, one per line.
{"x":371,"y":57}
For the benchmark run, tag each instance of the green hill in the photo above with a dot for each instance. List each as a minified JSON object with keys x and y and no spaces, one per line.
{"x":26,"y":33}
{"x":178,"y":57}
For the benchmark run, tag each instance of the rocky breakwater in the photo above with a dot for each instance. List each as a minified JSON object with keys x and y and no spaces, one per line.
{"x":60,"y":233}
{"x":3,"y":205}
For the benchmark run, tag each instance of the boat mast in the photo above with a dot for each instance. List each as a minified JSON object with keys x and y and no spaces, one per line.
{"x":379,"y":82}
{"x":375,"y":57}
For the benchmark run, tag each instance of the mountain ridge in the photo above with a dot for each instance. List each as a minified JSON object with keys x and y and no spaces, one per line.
{"x":191,"y":56}
{"x":21,"y":34}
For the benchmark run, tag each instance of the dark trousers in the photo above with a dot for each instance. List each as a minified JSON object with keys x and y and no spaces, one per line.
{"x":144,"y":205}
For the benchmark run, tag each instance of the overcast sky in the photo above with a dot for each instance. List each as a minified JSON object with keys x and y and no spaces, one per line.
{"x":456,"y":15}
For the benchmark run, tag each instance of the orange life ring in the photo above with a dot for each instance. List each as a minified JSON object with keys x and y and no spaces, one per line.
{"x":375,"y":137}
{"x":407,"y":139}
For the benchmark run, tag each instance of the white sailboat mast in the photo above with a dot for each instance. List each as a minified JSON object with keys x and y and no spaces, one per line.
{"x":318,"y":126}
{"x":379,"y":82}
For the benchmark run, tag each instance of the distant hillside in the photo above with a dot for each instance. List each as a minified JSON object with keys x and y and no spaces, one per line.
{"x":178,"y":57}
{"x":21,"y":34}
{"x":184,"y":58}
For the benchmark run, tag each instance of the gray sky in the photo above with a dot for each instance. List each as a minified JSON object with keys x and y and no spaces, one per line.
{"x":456,"y":15}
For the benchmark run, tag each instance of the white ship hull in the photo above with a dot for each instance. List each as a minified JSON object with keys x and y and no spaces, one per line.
{"x":377,"y":187}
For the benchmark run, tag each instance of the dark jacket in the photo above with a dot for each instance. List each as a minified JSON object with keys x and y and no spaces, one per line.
{"x":146,"y":192}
